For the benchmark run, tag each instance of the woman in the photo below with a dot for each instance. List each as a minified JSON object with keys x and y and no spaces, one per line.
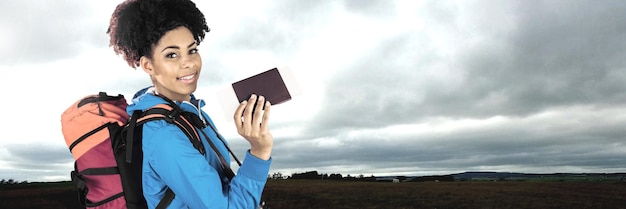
{"x":162,"y":37}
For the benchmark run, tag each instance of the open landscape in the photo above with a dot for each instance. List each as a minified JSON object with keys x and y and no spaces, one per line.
{"x":503,"y":103}
{"x":542,"y":192}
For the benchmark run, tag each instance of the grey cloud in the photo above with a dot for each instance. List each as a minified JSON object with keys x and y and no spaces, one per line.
{"x":43,"y":31}
{"x":282,"y":32}
{"x":561,"y":53}
{"x":288,"y":23}
{"x":37,"y":159}
{"x":384,"y":88}
{"x":551,"y":59}
{"x":449,"y":154}
{"x":214,"y":71}
{"x":375,"y":8}
{"x":521,"y":146}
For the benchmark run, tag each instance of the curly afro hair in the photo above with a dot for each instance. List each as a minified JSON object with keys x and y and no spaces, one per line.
{"x":137,"y":25}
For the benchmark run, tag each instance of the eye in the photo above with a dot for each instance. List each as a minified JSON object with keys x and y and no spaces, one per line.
{"x":171,"y":55}
{"x":193,"y":51}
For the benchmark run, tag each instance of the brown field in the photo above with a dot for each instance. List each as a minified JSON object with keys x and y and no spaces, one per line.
{"x":344,"y":194}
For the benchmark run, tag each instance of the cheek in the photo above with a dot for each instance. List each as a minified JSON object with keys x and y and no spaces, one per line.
{"x":198,"y":64}
{"x":164,"y":70}
{"x":199,"y":61}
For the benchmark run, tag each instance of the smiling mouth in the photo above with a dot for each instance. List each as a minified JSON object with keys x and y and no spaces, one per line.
{"x":187,"y":78}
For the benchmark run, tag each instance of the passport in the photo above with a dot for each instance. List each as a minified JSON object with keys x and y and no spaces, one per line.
{"x":269,"y":84}
{"x":278,"y":85}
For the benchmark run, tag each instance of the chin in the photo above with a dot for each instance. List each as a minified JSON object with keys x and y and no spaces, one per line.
{"x":191,"y":90}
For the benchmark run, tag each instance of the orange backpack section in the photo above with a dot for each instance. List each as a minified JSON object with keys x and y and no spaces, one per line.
{"x":87,"y":116}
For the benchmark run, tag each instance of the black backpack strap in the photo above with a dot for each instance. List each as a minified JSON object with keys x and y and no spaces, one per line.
{"x":173,"y":116}
{"x":167,"y":199}
{"x":79,"y":182}
{"x":199,"y":124}
{"x":130,"y":134}
{"x":227,"y":170}
{"x":102,"y":97}
{"x":219,"y":136}
{"x":89,"y":134}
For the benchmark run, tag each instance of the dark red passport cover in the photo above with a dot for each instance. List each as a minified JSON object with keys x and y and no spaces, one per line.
{"x":268,"y":84}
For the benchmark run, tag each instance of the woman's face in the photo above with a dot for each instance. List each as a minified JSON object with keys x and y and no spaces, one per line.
{"x":175,"y":65}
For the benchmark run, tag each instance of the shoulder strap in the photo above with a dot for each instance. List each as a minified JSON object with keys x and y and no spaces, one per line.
{"x":227,"y":170}
{"x":167,"y":199}
{"x":170,"y":115}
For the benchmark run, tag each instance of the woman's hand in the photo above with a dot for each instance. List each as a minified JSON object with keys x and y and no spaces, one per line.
{"x":253,"y":126}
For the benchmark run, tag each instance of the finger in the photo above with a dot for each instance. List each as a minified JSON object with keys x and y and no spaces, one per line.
{"x":247,"y":112}
{"x":239,"y":113}
{"x":258,"y":113}
{"x":266,"y":117}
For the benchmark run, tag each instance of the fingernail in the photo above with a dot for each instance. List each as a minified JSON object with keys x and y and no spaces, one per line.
{"x":244,"y":101}
{"x":252,"y":96}
{"x":267,"y":103}
{"x":261,"y":98}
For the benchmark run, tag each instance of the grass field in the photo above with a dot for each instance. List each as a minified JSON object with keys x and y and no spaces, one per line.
{"x":345,"y":194}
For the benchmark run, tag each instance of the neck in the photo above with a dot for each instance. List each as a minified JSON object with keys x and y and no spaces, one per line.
{"x":181,"y":98}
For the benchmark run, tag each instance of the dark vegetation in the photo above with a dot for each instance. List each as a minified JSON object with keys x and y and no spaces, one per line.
{"x":453,"y":195}
{"x":40,"y":195}
{"x":467,"y":190}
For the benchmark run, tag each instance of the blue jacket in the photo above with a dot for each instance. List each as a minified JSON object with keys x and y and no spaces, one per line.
{"x":170,"y":160}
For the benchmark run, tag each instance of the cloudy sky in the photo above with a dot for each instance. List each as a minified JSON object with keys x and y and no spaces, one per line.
{"x":387,"y":87}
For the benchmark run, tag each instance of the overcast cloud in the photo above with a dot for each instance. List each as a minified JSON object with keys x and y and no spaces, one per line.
{"x":388,"y":87}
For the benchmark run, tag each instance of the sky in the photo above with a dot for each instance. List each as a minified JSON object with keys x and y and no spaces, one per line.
{"x":401,"y":87}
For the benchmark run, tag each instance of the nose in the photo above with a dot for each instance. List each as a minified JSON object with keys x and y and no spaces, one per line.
{"x":187,"y":62}
{"x":190,"y":61}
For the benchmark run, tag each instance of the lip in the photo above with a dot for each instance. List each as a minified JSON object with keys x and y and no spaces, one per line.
{"x":189,"y":78}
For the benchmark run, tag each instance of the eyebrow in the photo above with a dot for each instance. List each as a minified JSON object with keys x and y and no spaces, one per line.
{"x":177,"y":47}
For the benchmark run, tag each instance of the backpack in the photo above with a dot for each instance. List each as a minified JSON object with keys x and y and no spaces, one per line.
{"x":106,"y":145}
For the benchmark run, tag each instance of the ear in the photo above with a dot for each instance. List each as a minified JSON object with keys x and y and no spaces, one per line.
{"x":146,"y":65}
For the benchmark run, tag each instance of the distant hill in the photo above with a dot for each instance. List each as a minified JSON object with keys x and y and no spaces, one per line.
{"x":510,"y":176}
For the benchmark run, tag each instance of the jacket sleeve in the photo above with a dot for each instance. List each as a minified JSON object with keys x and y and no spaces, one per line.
{"x":195,"y":181}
